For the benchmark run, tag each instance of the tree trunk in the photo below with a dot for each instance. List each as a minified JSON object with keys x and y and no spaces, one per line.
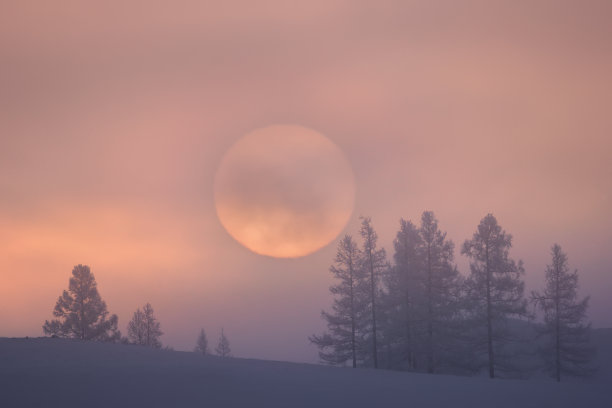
{"x":557,"y":324}
{"x":352,"y":318}
{"x":82,"y":313}
{"x":409,"y":353}
{"x":489,"y":318}
{"x":373,"y":295}
{"x":430,"y":359}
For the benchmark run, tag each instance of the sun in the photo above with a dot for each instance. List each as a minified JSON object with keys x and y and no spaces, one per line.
{"x":284,"y":191}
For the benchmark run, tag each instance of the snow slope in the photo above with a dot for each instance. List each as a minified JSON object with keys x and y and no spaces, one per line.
{"x":46,"y":372}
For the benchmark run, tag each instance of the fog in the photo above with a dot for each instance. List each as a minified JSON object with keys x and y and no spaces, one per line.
{"x":114,"y":119}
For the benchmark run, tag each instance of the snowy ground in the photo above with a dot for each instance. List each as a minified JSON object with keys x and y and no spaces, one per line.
{"x":63,"y":373}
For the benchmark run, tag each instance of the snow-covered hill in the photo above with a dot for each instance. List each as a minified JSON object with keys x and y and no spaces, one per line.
{"x":48,"y":372}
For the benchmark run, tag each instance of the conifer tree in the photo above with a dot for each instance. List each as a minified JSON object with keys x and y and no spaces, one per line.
{"x":223,"y":347}
{"x":202,"y":343}
{"x":81,"y":313}
{"x":441,"y":288}
{"x":144,"y":328}
{"x":494,"y":288}
{"x":567,"y":350}
{"x":136,"y":331}
{"x":374,"y":263}
{"x":342,"y":341}
{"x":400,"y":298}
{"x":152,"y":327}
{"x":422,"y":299}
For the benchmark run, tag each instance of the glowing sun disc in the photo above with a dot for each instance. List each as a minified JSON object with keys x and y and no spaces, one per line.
{"x":284,"y":191}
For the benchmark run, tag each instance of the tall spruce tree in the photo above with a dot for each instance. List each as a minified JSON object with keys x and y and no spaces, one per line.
{"x":81,"y":312}
{"x":567,"y":349}
{"x":421,"y":303}
{"x":374,"y":262}
{"x":441,"y":285}
{"x":400,"y":298}
{"x":494,"y":288}
{"x":342,"y":341}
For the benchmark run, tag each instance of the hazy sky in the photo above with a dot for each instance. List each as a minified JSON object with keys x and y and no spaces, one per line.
{"x":115,"y":115}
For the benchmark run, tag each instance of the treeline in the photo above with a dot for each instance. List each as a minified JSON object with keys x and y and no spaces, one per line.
{"x":416,"y":312}
{"x":82,"y":314}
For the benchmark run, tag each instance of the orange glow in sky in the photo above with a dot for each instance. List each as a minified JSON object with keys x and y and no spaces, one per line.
{"x":115,"y":117}
{"x":284,"y":191}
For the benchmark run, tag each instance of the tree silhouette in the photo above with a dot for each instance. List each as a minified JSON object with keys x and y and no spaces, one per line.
{"x":374,"y":262}
{"x":202,"y":343}
{"x":568,"y":350}
{"x":494,"y":287}
{"x":400,"y":316}
{"x":81,"y":313}
{"x":223,"y":347}
{"x":345,"y":323}
{"x":440,"y":284}
{"x":144,"y":329}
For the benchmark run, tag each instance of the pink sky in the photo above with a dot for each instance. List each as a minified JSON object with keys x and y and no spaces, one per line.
{"x":114,"y":118}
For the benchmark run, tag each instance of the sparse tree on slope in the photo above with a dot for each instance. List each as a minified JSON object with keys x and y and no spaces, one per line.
{"x":223,"y":347}
{"x":144,"y":329}
{"x":374,"y":262}
{"x":341,"y":343}
{"x":152,"y":327}
{"x":494,"y":286}
{"x":81,"y":312}
{"x":136,"y":332}
{"x":568,"y":350}
{"x":202,"y":343}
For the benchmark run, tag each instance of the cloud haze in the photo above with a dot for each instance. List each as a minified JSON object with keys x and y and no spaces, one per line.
{"x":114,"y":118}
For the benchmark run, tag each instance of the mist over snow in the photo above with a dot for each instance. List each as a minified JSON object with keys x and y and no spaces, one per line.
{"x":47,"y":372}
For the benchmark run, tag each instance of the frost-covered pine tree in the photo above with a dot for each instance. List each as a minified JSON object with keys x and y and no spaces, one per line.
{"x":567,"y":333}
{"x":341,"y":343}
{"x":144,"y":328}
{"x":81,"y":312}
{"x":374,"y":262}
{"x":136,"y":328}
{"x":202,"y":343}
{"x":494,"y":289}
{"x":223,"y":347}
{"x":400,"y":298}
{"x":441,"y":285}
{"x":421,"y":301}
{"x":152,"y":327}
